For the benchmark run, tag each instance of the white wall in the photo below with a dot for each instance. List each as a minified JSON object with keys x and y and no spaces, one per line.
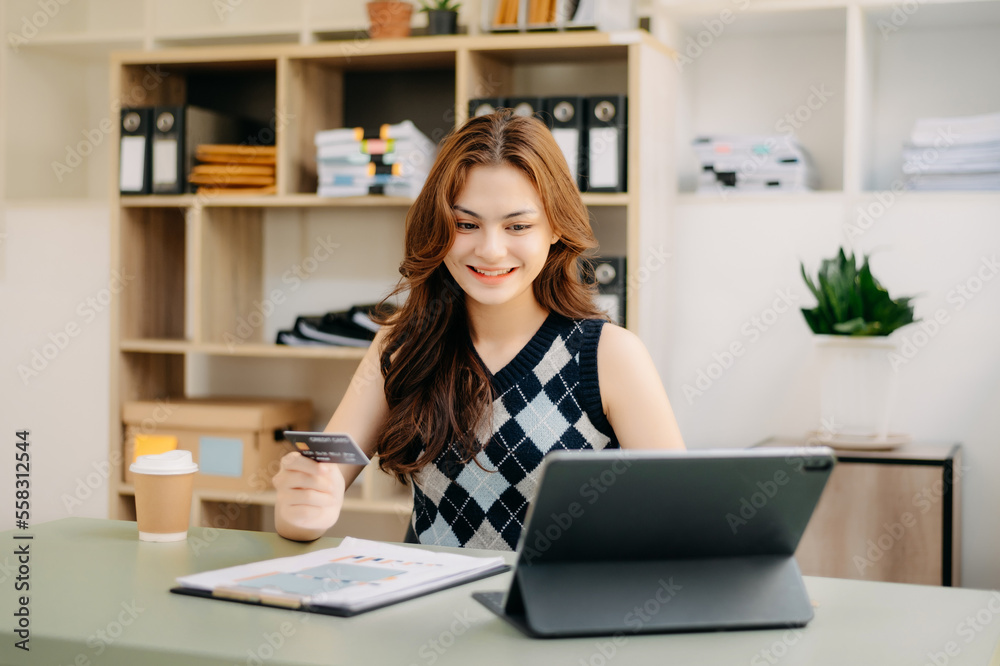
{"x":53,"y":300}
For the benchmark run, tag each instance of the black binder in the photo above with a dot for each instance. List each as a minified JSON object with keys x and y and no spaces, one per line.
{"x":134,"y":150}
{"x":606,"y":153}
{"x":699,"y":540}
{"x":608,"y":273}
{"x":526,"y":106}
{"x":565,"y":116}
{"x":482,"y":106}
{"x":177,"y":132}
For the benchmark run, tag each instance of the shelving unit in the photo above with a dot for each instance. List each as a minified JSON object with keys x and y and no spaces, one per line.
{"x":841,"y":75}
{"x":215,"y":277}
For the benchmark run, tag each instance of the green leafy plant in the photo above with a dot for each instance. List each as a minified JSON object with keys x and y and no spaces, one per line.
{"x":440,"y":5}
{"x":852,"y":302}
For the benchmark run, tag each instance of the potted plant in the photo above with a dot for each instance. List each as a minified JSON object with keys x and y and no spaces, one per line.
{"x":442,"y":16}
{"x":389,"y":19}
{"x":853,"y":318}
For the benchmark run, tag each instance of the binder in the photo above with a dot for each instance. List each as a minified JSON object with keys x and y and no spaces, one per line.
{"x":177,"y":132}
{"x":527,"y":106}
{"x":608,"y":273}
{"x":607,"y":124}
{"x":565,"y":117}
{"x":708,"y":564}
{"x":134,"y":150}
{"x":482,"y":106}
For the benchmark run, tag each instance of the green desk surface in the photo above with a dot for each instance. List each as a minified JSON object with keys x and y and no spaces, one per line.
{"x":99,"y":596}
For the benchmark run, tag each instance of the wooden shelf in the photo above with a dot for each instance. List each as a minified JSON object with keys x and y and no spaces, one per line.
{"x":276,"y":201}
{"x":762,"y":199}
{"x":245,"y":350}
{"x":281,"y":351}
{"x":582,"y":46}
{"x":314,"y":201}
{"x":90,"y":45}
{"x":402,"y":505}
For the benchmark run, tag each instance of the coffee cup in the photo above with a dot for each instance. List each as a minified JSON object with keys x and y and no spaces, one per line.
{"x":163,"y":486}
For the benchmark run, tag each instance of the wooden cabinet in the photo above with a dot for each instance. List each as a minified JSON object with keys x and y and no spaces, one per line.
{"x":891,"y":516}
{"x":214,"y":277}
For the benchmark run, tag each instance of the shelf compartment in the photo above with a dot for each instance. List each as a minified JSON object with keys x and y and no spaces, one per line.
{"x":244,"y":89}
{"x":499,"y":72}
{"x":951,"y":46}
{"x":362,"y":89}
{"x":149,"y":376}
{"x":231,"y":272}
{"x":153,"y":256}
{"x":770,"y":72}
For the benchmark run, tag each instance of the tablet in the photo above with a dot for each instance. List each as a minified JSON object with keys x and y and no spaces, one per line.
{"x":705,"y":538}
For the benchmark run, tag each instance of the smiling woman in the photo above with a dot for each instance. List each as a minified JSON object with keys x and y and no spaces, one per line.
{"x":497,"y":356}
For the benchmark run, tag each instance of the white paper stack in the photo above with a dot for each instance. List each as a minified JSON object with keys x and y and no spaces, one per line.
{"x":395,"y":163}
{"x":746,"y":163}
{"x":958,"y":153}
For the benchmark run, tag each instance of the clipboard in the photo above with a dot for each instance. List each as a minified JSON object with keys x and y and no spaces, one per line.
{"x":349,"y":579}
{"x":295,"y":602}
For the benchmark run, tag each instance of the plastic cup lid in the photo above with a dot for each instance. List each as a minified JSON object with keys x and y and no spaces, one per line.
{"x":177,"y":461}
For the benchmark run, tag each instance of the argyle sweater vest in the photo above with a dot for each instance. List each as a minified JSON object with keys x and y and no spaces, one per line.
{"x":547,"y":398}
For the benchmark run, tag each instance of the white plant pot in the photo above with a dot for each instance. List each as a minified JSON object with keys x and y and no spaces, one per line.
{"x":857,"y":392}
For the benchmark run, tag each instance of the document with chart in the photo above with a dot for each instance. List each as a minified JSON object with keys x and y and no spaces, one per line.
{"x":354,"y":577}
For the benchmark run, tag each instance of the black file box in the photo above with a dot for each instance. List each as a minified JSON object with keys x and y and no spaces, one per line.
{"x":607,"y":141}
{"x":134,"y":150}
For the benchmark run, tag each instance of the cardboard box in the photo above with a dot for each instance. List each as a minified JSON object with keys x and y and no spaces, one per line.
{"x":231,"y":439}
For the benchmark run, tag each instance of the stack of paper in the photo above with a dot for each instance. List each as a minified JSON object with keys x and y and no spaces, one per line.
{"x":959,"y":153}
{"x":395,"y":163}
{"x":745,"y":163}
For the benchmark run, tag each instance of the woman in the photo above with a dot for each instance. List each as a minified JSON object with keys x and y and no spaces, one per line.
{"x":497,"y":356}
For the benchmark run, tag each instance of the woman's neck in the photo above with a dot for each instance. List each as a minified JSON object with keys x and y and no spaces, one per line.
{"x":501,"y":325}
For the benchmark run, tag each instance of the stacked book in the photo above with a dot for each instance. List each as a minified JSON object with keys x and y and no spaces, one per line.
{"x":743,"y":163}
{"x":343,"y":328}
{"x":395,"y":163}
{"x":961,"y":153}
{"x":234,"y":169}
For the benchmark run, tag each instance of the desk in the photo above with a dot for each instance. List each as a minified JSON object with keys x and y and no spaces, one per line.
{"x":99,"y":596}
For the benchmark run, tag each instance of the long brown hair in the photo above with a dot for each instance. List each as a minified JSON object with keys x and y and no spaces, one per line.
{"x":437,"y":391}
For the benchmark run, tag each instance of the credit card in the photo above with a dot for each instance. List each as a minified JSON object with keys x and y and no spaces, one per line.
{"x":328,"y":447}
